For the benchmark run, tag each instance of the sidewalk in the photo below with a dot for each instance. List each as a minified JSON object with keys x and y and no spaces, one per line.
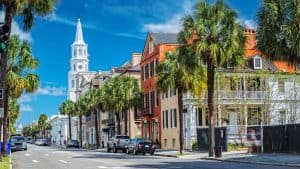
{"x":192,"y":154}
{"x":277,"y":159}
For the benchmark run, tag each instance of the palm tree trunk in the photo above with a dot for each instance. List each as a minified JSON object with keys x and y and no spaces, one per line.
{"x":118,"y":123}
{"x":96,"y":128}
{"x":180,"y":110}
{"x":8,"y":21}
{"x":80,"y":130}
{"x":210,"y":104}
{"x":126,"y":121}
{"x":70,"y":129}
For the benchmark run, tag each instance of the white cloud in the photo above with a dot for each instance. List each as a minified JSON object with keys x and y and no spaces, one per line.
{"x":25,"y":98}
{"x":66,"y":21}
{"x":16,"y":29}
{"x":25,"y":108}
{"x":172,"y":25}
{"x":52,"y":91}
{"x":249,"y":23}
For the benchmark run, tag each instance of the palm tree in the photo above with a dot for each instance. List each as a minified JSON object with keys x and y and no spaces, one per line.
{"x":21,"y":76}
{"x":14,"y":113}
{"x":218,"y":39}
{"x":94,"y":98}
{"x":173,"y":74}
{"x":68,"y":108}
{"x":82,"y":108}
{"x":42,"y":123}
{"x":278,"y":22}
{"x":27,"y":10}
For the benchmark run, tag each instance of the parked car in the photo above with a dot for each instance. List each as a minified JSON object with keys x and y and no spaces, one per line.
{"x":143,"y":146}
{"x":118,"y":142}
{"x":73,"y":143}
{"x":29,"y":140}
{"x":18,"y":143}
{"x":42,"y":142}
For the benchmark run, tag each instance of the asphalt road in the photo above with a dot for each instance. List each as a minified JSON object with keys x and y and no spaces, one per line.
{"x":37,"y":157}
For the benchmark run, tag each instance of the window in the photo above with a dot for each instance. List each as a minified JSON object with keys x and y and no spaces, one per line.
{"x":80,"y":52}
{"x":74,"y":67}
{"x":173,"y":118}
{"x":165,"y":119}
{"x":282,"y":119}
{"x":236,"y":84}
{"x":172,"y":92}
{"x":151,"y":47}
{"x":173,"y":142}
{"x":75,"y":52}
{"x":257,"y":62}
{"x":255,"y":84}
{"x":166,"y":142}
{"x":73,"y":84}
{"x":142,"y":73}
{"x":254,"y":116}
{"x":157,"y":98}
{"x":152,"y":101}
{"x":199,"y":116}
{"x":281,"y":85}
{"x":151,"y":69}
{"x":146,"y":71}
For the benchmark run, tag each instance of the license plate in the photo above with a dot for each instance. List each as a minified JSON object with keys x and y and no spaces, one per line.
{"x":147,"y":146}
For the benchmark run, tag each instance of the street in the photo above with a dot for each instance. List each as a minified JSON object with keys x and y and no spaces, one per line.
{"x":37,"y":157}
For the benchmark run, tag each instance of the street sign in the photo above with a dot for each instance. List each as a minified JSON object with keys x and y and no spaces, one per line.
{"x":1,"y":112}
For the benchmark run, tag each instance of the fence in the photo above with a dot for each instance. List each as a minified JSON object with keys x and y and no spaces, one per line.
{"x":220,"y":138}
{"x":281,"y":138}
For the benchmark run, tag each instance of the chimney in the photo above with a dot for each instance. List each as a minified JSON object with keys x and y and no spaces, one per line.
{"x":250,"y":38}
{"x":136,"y":59}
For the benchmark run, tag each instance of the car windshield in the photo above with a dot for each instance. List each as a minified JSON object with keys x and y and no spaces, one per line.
{"x":123,"y":137}
{"x":17,"y":138}
{"x":145,"y":141}
{"x":74,"y":141}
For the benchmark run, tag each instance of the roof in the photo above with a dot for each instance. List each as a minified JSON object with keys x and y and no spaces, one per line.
{"x":159,"y":38}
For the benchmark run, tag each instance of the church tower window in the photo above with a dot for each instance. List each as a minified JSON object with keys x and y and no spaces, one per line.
{"x":73,"y":84}
{"x":74,"y":67}
{"x":80,"y":52}
{"x":75,"y":52}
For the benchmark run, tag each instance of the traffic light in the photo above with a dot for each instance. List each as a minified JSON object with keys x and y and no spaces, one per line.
{"x":3,"y":37}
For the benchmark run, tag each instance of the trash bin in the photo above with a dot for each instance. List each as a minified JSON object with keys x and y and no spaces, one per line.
{"x":8,"y":148}
{"x":218,"y":151}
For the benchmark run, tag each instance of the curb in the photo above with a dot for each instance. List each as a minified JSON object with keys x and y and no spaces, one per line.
{"x":10,"y":163}
{"x":166,"y":155}
{"x":252,"y":162}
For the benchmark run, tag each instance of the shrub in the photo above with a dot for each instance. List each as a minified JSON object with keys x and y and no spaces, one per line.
{"x":195,"y":146}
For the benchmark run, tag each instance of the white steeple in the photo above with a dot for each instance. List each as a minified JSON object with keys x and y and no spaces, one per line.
{"x":78,"y":36}
{"x":79,"y":61}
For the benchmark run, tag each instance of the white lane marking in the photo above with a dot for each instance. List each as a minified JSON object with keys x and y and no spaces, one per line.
{"x":35,"y":161}
{"x":46,"y":154}
{"x":102,"y":167}
{"x":64,"y":161}
{"x":27,"y":154}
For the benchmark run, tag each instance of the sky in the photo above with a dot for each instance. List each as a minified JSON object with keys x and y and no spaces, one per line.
{"x":113,"y":30}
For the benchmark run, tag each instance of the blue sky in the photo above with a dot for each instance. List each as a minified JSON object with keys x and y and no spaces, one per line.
{"x":113,"y":29}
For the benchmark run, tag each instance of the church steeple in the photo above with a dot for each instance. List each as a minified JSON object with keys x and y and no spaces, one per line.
{"x":78,"y":36}
{"x":79,"y":61}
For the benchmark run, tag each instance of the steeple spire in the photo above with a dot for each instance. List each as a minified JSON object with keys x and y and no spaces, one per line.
{"x":79,"y":36}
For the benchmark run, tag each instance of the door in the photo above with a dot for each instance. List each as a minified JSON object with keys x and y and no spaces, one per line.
{"x":233,"y":123}
{"x":187,"y":130}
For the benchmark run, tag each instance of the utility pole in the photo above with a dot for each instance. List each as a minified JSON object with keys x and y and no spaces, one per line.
{"x":4,"y":29}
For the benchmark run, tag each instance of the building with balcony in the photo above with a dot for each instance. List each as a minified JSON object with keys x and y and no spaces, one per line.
{"x":264,"y":92}
{"x":60,"y":129}
{"x":156,"y":46}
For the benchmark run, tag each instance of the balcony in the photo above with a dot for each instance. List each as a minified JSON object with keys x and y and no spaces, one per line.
{"x":245,"y":95}
{"x":146,"y":112}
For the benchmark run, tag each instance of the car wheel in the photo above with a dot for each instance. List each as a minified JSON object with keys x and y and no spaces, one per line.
{"x":134,"y":152}
{"x":127,"y":151}
{"x":108,"y":149}
{"x":152,"y":153}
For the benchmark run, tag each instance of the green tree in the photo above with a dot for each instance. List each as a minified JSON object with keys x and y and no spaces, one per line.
{"x":14,"y":113}
{"x":68,"y":108}
{"x":82,"y":108}
{"x":26,"y":10}
{"x":95,"y":100}
{"x":278,"y":22}
{"x":43,"y":123}
{"x":27,"y":131}
{"x":174,"y":75}
{"x":218,"y":39}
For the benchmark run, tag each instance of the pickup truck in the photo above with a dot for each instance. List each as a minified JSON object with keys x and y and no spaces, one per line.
{"x":118,"y":142}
